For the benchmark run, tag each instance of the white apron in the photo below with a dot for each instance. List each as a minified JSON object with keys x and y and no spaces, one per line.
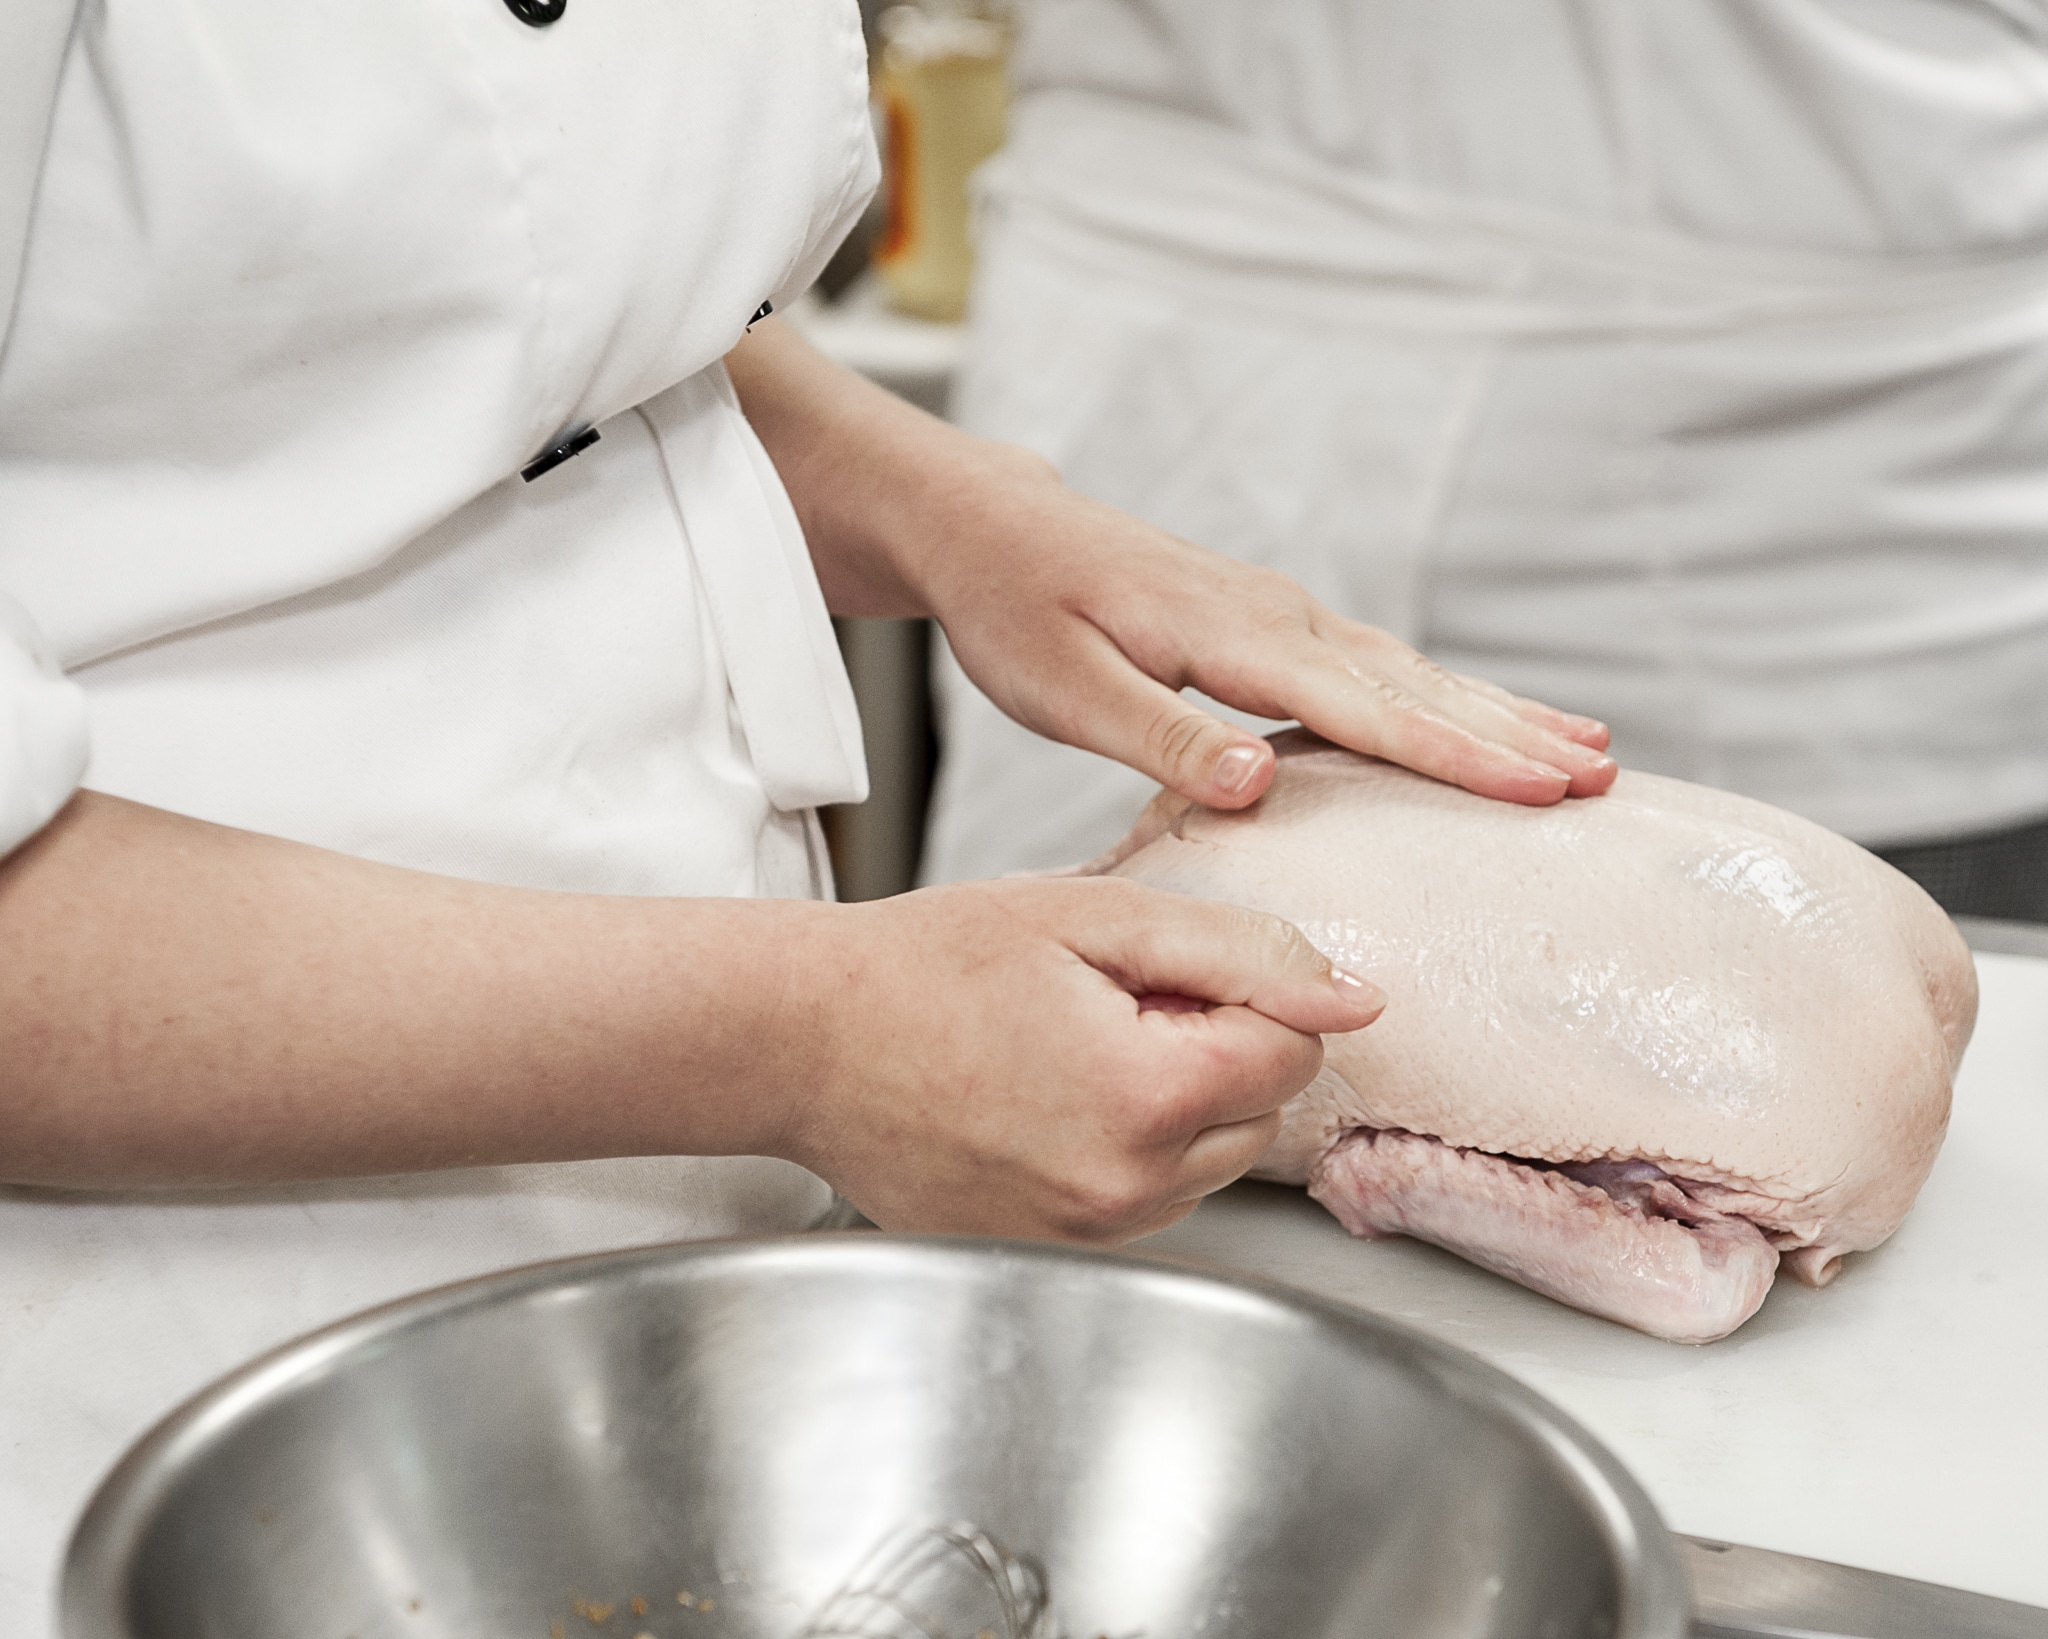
{"x":302,"y":290}
{"x":1685,"y":364}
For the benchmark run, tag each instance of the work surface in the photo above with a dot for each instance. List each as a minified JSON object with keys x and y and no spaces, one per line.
{"x":1897,"y":1420}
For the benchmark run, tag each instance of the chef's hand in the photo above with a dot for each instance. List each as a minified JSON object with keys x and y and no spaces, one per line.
{"x":1084,"y":623}
{"x":1023,"y":1058}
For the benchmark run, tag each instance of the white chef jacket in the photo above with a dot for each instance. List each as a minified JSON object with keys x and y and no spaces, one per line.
{"x":1684,"y":363}
{"x":301,"y":289}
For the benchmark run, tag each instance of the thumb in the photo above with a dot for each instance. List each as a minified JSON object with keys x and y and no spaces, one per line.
{"x":1117,"y":710}
{"x":1169,"y":945}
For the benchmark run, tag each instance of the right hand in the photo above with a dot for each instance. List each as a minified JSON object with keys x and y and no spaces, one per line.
{"x":993,"y":1058}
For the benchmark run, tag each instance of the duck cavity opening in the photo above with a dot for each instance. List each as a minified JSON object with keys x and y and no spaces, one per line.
{"x":1617,"y":1238}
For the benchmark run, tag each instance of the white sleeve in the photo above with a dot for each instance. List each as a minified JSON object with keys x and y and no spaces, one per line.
{"x":42,"y":717}
{"x":42,"y":730}
{"x":34,"y":36}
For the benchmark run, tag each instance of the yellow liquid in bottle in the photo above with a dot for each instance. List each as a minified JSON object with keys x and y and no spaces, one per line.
{"x":941,"y":117}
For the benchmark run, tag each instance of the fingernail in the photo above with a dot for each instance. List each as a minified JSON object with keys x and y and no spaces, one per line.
{"x":1359,"y":992}
{"x":1589,"y":731}
{"x":1586,"y":756}
{"x":1235,"y":768}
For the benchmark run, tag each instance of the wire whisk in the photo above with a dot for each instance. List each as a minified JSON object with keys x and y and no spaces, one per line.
{"x":937,"y":1582}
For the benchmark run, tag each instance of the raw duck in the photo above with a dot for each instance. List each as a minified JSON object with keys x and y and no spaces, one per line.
{"x":1639,"y":1050}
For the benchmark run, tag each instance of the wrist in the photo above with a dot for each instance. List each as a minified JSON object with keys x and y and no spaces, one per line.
{"x":825,"y":964}
{"x":891,"y":499}
{"x":717,"y":1035}
{"x":950,"y":505}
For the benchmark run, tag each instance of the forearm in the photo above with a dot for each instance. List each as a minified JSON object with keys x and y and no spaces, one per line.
{"x":1086,"y":624}
{"x":184,"y":1003}
{"x":880,"y":486}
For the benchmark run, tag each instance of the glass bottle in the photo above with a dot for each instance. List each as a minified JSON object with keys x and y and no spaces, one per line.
{"x":943,"y":92}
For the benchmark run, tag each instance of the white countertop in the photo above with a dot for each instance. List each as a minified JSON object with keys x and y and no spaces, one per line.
{"x":1897,"y":1420}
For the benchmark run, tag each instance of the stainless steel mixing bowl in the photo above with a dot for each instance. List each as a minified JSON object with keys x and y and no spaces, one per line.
{"x":744,"y":1421}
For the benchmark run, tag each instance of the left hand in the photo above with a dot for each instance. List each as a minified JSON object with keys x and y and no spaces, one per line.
{"x":1085,"y":623}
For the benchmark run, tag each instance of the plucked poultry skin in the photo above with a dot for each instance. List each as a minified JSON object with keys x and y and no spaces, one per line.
{"x":1640,"y":1049}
